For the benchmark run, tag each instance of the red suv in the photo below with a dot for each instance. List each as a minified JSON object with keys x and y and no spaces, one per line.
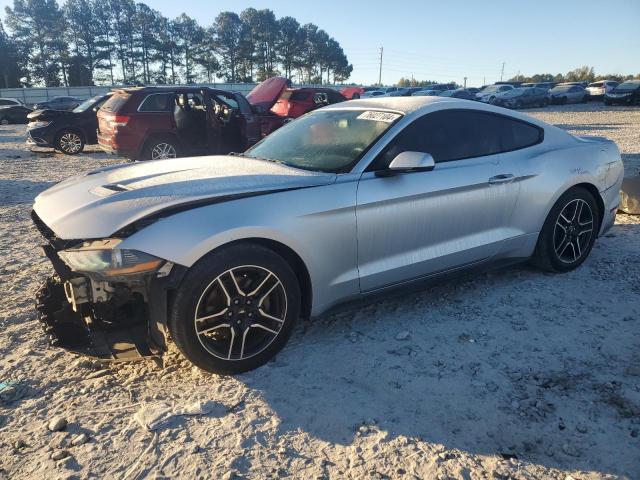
{"x":152,"y":123}
{"x":295,"y":102}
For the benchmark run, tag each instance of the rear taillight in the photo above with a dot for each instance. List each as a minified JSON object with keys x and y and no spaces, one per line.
{"x":119,"y":121}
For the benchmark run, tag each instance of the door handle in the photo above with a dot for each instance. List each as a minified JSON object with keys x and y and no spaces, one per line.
{"x":503,"y":178}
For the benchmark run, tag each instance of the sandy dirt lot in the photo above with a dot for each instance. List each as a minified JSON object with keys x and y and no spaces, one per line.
{"x":509,"y":374}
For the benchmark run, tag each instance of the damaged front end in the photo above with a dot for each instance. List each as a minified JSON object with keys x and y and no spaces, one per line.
{"x":104,"y":302}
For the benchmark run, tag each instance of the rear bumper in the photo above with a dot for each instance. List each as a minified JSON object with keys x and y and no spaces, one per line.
{"x":108,"y":144}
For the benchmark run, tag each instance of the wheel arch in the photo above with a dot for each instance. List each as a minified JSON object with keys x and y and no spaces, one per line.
{"x":593,"y":190}
{"x":292,"y":258}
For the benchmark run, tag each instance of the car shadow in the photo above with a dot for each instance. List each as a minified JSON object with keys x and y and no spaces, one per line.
{"x":595,"y":127}
{"x":489,"y":364}
{"x":15,"y":192}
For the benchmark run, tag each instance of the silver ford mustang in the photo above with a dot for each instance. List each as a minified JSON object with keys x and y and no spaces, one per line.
{"x":224,"y":253}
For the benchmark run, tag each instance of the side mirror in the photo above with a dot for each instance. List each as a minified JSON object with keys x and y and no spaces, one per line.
{"x":409,"y":162}
{"x":95,"y":109}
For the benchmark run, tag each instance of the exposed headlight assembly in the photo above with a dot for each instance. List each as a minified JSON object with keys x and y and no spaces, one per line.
{"x":38,"y":124}
{"x":103,"y":258}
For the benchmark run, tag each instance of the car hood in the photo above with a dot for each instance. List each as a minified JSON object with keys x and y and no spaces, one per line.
{"x":99,"y":203}
{"x":266,"y":94}
{"x":49,"y":114}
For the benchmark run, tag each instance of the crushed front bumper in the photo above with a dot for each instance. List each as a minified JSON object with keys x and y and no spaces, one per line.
{"x":69,"y":329}
{"x":130,"y":324}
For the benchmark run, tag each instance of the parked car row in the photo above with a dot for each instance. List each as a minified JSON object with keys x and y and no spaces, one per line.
{"x":168,"y":122}
{"x":153,"y":123}
{"x":515,"y":94}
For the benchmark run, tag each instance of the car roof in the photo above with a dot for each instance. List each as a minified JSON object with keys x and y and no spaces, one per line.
{"x":415,"y":106}
{"x":168,"y":89}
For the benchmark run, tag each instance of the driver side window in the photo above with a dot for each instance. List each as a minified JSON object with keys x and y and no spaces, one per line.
{"x":458,"y":134}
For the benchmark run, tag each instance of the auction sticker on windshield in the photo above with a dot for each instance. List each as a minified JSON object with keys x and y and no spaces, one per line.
{"x":379,"y":116}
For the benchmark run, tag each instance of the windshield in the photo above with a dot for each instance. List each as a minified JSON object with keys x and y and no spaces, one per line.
{"x":513,"y":92}
{"x":492,"y":89}
{"x":87,"y":104}
{"x":627,"y":86}
{"x":325,"y":141}
{"x":561,"y":88}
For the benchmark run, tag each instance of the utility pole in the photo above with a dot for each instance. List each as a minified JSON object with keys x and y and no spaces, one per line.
{"x":465,"y":82}
{"x":380,"y":72}
{"x":502,"y":72}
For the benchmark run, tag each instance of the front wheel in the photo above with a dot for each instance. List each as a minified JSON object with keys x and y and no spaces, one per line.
{"x":69,"y":142}
{"x":235,"y":309}
{"x":569,"y":232}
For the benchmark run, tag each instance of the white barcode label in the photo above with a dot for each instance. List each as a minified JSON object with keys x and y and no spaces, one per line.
{"x":387,"y":117}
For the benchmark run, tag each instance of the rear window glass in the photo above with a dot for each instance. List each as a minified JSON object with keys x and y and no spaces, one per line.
{"x":157,"y":102}
{"x":295,"y":95}
{"x":115,"y":102}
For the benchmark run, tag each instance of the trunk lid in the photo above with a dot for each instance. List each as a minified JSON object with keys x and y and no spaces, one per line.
{"x":266,"y":94}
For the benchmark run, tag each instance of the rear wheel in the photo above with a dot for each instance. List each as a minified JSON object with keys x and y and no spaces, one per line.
{"x":569,"y":232}
{"x":69,"y":142}
{"x":161,"y":149}
{"x":235,"y":309}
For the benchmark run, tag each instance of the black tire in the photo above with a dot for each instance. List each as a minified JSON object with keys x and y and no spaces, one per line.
{"x":563,"y":101}
{"x":198,"y":285}
{"x":154,"y":148}
{"x":355,"y":96}
{"x":4,"y":121}
{"x":546,"y":255}
{"x":69,"y":142}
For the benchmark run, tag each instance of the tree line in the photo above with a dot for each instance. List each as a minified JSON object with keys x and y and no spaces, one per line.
{"x":581,"y":74}
{"x":89,"y":42}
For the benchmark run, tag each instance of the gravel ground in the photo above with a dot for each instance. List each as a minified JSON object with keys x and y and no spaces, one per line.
{"x":507,"y":374}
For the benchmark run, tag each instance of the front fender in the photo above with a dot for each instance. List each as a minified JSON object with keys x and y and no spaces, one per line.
{"x":317,"y":223}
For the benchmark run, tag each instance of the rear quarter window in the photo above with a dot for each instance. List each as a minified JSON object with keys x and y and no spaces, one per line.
{"x":116,"y":102}
{"x":157,"y":102}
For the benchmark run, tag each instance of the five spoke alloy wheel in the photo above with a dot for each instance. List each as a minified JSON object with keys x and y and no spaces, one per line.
{"x":241,"y":312}
{"x":573,"y":231}
{"x":569,"y":232}
{"x":235,"y":308}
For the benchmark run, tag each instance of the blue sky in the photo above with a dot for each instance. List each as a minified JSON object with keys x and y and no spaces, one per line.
{"x":438,"y":41}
